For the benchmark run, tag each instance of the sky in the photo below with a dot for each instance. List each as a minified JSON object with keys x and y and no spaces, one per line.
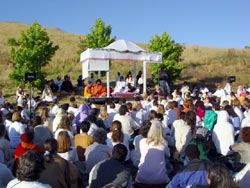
{"x":213,"y":23}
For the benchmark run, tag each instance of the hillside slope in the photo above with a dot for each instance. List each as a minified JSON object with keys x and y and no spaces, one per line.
{"x":204,"y":65}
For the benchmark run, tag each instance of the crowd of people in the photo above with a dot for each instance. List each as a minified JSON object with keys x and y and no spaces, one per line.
{"x":189,"y":138}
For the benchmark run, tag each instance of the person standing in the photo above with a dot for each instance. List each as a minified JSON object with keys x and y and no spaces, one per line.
{"x":163,"y":76}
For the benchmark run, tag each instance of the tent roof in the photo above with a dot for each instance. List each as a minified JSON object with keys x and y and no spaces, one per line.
{"x":104,"y":54}
{"x":121,"y":50}
{"x":124,"y":46}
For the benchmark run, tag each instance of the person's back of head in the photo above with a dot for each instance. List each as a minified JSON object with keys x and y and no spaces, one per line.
{"x":192,"y":152}
{"x":119,"y":152}
{"x":84,"y":126}
{"x":100,"y":136}
{"x":219,"y":177}
{"x":145,"y":128}
{"x":31,"y":164}
{"x":112,"y":105}
{"x":51,"y":147}
{"x":123,"y":110}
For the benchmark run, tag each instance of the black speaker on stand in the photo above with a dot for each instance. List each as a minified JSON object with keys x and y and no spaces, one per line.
{"x":30,"y":77}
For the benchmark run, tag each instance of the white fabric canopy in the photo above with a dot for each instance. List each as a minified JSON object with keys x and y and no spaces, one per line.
{"x":98,"y":59}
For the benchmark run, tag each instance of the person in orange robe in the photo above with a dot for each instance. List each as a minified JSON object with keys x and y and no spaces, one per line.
{"x":88,"y":90}
{"x":98,"y":89}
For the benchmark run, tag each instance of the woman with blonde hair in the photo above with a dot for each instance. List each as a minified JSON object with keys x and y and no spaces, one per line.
{"x":65,"y":149}
{"x":16,"y":129}
{"x":46,"y":120}
{"x":116,"y":136}
{"x":105,"y":116}
{"x":154,"y":158}
{"x":65,"y":125}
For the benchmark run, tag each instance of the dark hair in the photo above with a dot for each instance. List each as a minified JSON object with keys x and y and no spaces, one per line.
{"x":116,"y":129}
{"x":192,"y":152}
{"x":94,"y":112}
{"x":123,"y":110}
{"x":72,"y":99}
{"x":119,"y":152}
{"x":159,"y":116}
{"x":84,"y":126}
{"x":100,"y":136}
{"x":51,"y":147}
{"x":190,"y":119}
{"x":230,"y":111}
{"x":152,"y":114}
{"x":220,"y":177}
{"x":91,"y":118}
{"x":36,"y":120}
{"x":245,"y":134}
{"x":2,"y":130}
{"x":31,"y":164}
{"x":112,"y":105}
{"x":145,"y":128}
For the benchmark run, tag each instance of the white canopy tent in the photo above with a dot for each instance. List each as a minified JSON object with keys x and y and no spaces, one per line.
{"x":98,"y":59}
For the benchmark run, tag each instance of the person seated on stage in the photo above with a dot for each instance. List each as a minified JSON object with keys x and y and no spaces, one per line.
{"x":130,"y":88}
{"x":88,"y":90}
{"x":120,"y":85}
{"x":98,"y":89}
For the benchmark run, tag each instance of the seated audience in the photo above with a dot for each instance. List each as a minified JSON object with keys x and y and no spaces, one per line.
{"x":194,"y":173}
{"x":154,"y":158}
{"x":219,"y":177}
{"x":83,"y":140}
{"x":67,"y":86}
{"x":111,"y":170}
{"x":5,"y":149}
{"x":54,"y":164}
{"x":41,"y":132}
{"x":116,"y":136}
{"x":31,"y":164}
{"x":5,"y":175}
{"x":65,"y":149}
{"x":97,"y":151}
{"x":223,"y":134}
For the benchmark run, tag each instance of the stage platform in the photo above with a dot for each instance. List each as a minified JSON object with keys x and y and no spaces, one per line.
{"x":114,"y":97}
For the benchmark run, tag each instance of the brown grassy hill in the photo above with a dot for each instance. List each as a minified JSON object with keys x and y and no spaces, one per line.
{"x":204,"y":65}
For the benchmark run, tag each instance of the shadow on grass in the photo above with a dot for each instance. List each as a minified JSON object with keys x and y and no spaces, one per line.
{"x":209,"y":82}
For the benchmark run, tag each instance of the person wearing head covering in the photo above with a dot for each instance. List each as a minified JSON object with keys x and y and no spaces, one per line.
{"x":81,"y":116}
{"x":26,"y":145}
{"x":223,"y":133}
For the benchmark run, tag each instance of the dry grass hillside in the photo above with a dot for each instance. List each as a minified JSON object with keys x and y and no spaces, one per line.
{"x":204,"y":65}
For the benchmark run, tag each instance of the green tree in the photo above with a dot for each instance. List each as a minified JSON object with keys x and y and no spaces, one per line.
{"x":98,"y":37}
{"x":32,"y":51}
{"x":171,"y":56}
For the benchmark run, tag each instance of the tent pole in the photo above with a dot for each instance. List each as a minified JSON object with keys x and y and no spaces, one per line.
{"x":144,"y":76}
{"x":135,"y":81}
{"x":108,"y":84}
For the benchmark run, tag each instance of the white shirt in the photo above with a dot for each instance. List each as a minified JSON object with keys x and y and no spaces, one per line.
{"x":26,"y":184}
{"x":125,"y":142}
{"x":70,"y":155}
{"x":15,"y":131}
